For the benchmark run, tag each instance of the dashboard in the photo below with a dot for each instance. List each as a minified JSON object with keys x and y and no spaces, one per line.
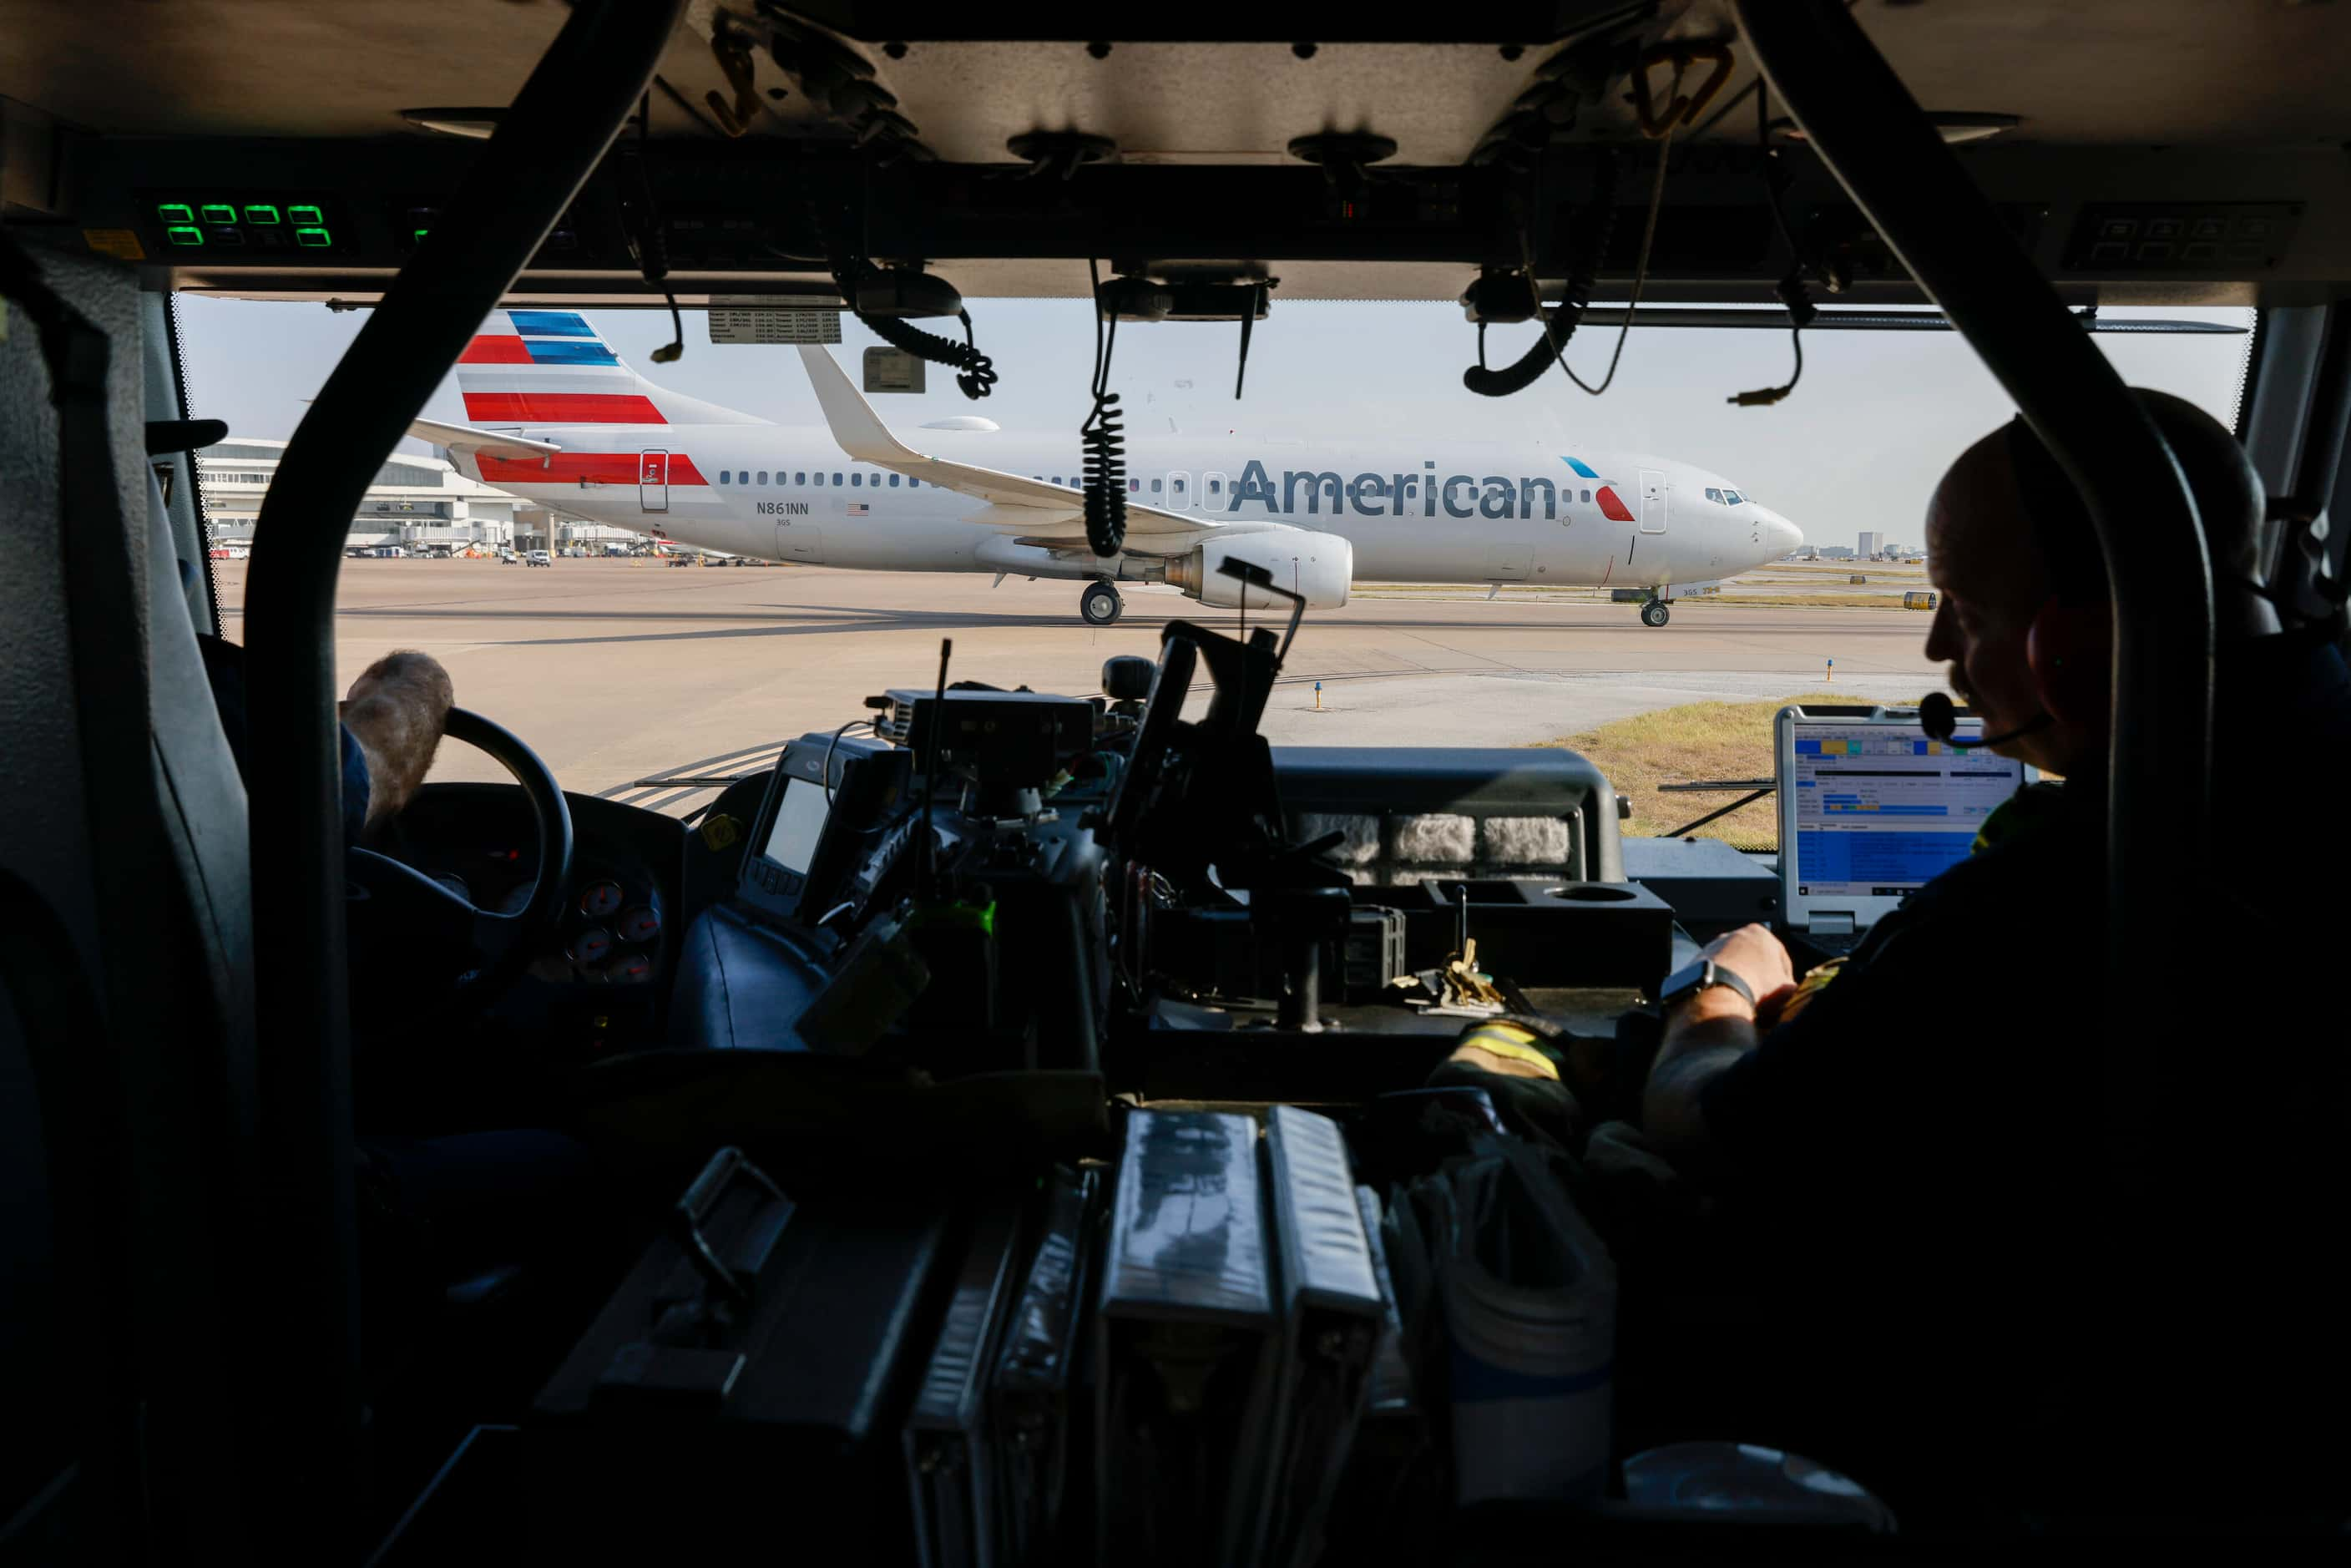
{"x":598,"y":986}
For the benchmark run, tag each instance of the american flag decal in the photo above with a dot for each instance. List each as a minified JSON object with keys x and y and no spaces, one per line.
{"x":857,"y":509}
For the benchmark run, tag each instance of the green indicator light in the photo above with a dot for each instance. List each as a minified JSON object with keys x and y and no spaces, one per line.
{"x":184,"y":234}
{"x":311,"y":215}
{"x":422,"y":233}
{"x":312,"y":238}
{"x":262,"y":213}
{"x":219,"y":212}
{"x":176,"y":211}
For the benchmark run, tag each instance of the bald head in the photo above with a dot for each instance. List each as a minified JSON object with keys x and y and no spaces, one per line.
{"x":2019,"y":534}
{"x":2023,"y":618}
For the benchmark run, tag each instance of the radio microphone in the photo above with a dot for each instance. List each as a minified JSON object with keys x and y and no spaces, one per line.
{"x":1940,"y":720}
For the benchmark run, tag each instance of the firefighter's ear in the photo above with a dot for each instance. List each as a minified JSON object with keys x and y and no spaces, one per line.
{"x":2070,"y":649}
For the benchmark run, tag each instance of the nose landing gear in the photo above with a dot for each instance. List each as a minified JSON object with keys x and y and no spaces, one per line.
{"x":1100,"y":605}
{"x":1656,"y":613}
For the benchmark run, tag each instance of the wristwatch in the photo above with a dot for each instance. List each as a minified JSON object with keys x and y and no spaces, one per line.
{"x":1688,"y":981}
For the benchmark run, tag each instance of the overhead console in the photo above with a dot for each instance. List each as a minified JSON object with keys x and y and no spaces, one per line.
{"x":2188,"y":155}
{"x":334,"y":219}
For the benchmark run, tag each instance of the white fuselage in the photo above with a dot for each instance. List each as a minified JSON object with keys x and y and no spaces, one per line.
{"x":1413,"y":511}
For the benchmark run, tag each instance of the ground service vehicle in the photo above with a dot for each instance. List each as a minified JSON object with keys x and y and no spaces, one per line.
{"x":1008,"y":1143}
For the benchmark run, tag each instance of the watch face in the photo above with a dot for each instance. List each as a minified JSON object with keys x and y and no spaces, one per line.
{"x":1683,"y":981}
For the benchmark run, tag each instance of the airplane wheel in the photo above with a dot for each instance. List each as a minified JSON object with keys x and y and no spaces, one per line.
{"x":1099,"y":604}
{"x":1655,"y":613}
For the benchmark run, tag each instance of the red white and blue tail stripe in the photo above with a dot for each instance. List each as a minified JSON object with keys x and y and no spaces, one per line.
{"x":549,"y":367}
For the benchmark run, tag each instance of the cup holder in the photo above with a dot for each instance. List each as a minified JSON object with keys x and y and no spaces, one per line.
{"x":1595,"y":893}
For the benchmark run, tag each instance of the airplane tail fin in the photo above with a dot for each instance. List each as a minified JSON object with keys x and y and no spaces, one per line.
{"x":856,"y":428}
{"x":552,"y":367}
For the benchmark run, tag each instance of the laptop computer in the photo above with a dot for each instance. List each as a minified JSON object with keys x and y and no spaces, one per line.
{"x":1871,"y":810}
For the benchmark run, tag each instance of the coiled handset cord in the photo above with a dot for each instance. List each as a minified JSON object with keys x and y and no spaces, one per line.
{"x":1790,"y":291}
{"x":976,"y":372}
{"x":651,"y":236}
{"x":1103,"y":438}
{"x":1561,"y":321}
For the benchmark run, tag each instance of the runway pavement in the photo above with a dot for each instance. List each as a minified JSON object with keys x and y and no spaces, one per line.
{"x":616,"y":671}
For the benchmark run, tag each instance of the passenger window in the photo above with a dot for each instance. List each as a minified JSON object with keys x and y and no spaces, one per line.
{"x":857,"y":479}
{"x":1155,"y":486}
{"x":1134,"y":484}
{"x":799,"y":478}
{"x":1587,"y":497}
{"x":1179,"y":487}
{"x":894,"y":481}
{"x":836,"y":478}
{"x":1216,"y":486}
{"x":763,"y":476}
{"x":725,"y":477}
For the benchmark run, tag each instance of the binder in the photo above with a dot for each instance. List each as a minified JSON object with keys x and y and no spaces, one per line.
{"x":1332,"y":1322}
{"x":1391,"y":1396}
{"x":950,"y":1452}
{"x":1391,"y":1471}
{"x":1030,"y":1395}
{"x":1187,"y":1342}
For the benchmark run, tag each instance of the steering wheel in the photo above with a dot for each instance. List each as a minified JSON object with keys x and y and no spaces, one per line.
{"x":469,"y":955}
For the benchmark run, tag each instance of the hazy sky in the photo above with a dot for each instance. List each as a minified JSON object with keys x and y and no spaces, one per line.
{"x":1858,"y":445}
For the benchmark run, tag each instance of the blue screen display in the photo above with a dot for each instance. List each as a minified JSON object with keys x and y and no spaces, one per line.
{"x":1880,"y":809}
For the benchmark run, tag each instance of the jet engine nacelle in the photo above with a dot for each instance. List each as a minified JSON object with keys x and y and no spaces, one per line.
{"x":1319,"y":567}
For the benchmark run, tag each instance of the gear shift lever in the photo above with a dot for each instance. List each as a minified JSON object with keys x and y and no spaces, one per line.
{"x":1297,"y":920}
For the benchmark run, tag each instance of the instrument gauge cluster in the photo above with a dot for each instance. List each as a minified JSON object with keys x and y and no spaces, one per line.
{"x":614,"y":933}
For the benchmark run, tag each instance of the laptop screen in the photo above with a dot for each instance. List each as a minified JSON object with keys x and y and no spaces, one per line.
{"x":1877,"y":810}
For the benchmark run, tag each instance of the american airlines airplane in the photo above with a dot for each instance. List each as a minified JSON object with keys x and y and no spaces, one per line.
{"x":557,"y":416}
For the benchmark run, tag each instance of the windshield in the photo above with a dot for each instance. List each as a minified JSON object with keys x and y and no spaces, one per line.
{"x":724,"y":576}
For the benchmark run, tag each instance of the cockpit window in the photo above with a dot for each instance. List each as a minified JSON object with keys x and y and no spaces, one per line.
{"x":1558,"y":516}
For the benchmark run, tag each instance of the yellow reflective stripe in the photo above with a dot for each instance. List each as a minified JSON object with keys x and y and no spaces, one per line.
{"x":1509,"y":1040}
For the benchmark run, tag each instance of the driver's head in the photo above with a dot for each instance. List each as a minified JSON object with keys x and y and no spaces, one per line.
{"x":2024,"y":617}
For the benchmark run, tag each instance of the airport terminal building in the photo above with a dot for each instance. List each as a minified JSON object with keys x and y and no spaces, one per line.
{"x":415,"y":502}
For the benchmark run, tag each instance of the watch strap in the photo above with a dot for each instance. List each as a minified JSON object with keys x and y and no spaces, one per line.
{"x":1716,"y":975}
{"x":1710,"y":973}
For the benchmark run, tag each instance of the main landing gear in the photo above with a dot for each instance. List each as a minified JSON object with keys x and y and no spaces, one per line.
{"x":1100,"y":605}
{"x":1655,"y":613}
